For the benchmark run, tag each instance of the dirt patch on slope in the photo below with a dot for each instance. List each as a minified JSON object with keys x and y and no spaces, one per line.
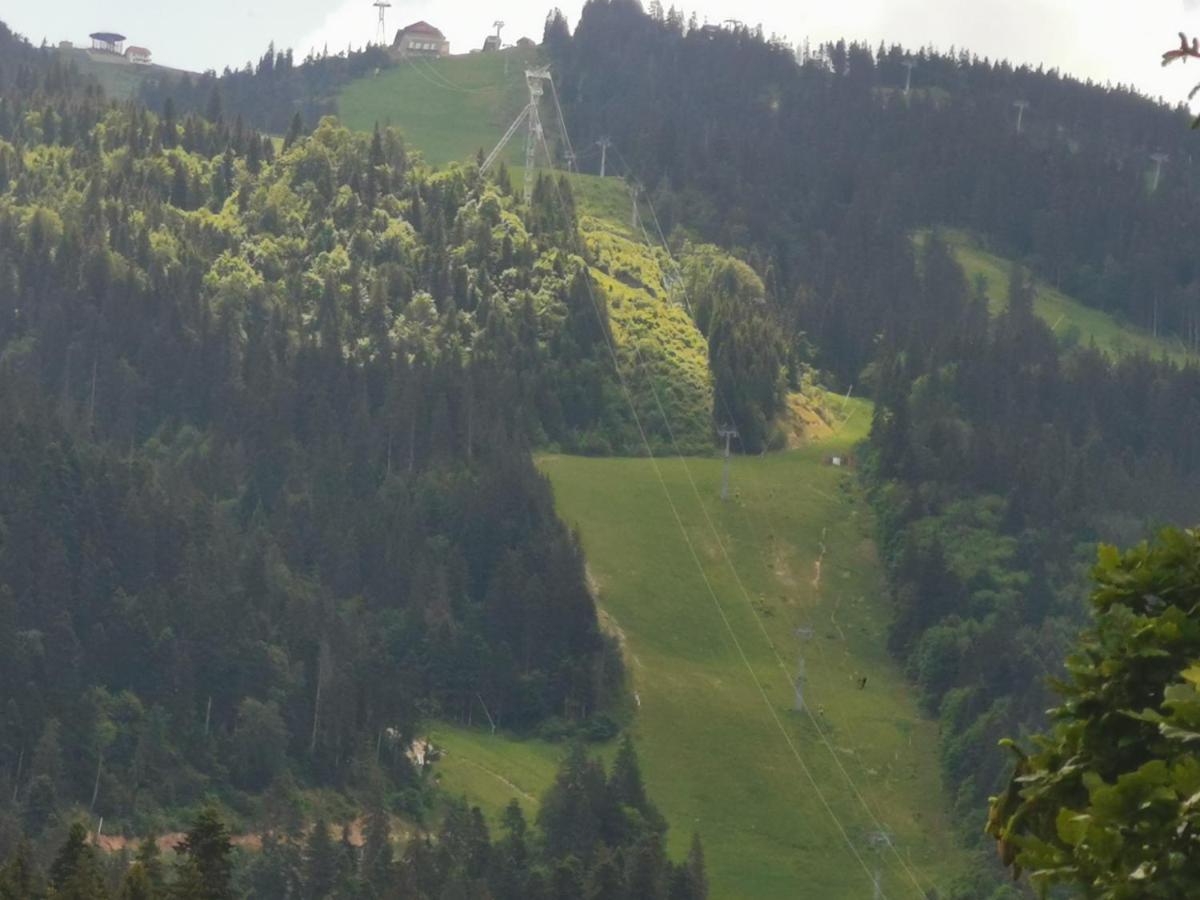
{"x":802,"y":421}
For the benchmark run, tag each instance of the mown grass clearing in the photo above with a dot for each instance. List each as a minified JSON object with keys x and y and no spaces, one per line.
{"x":448,"y":108}
{"x":797,"y":531}
{"x":493,"y":772}
{"x":1071,"y":320}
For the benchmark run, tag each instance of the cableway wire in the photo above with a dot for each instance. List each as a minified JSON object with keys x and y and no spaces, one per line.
{"x":429,"y":67}
{"x":737,"y":577}
{"x":428,"y":80}
{"x":695,"y":555}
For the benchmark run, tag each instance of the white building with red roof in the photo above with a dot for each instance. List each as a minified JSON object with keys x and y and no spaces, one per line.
{"x":420,"y":39}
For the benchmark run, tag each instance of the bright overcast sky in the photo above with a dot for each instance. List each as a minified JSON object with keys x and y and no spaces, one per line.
{"x":1107,"y":40}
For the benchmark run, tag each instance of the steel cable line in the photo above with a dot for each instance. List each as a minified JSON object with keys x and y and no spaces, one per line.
{"x":737,"y":577}
{"x":695,"y":556}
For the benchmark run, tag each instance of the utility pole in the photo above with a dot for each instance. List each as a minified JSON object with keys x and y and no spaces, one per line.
{"x":1021,"y":106}
{"x":604,"y":143}
{"x":727,"y":433}
{"x":635,"y":219}
{"x":1159,"y":159}
{"x":910,"y":65}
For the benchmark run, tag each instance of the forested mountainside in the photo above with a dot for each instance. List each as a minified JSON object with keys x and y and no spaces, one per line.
{"x":596,"y":834}
{"x":266,"y":409}
{"x":998,"y":457}
{"x":768,"y":149}
{"x":272,"y":92}
{"x":265,"y":490}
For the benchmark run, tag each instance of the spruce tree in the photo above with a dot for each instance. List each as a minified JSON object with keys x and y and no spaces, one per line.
{"x":136,"y":884}
{"x":320,"y":863}
{"x":295,"y":130}
{"x":19,"y":878}
{"x":75,"y":873}
{"x":204,"y":867}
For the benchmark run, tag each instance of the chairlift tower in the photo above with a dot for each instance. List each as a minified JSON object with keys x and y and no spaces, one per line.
{"x":908,"y":64}
{"x":728,"y":432}
{"x":1021,"y":106}
{"x":604,"y":143}
{"x":1159,"y":159}
{"x":531,"y":118}
{"x":381,"y":28}
{"x":879,"y":840}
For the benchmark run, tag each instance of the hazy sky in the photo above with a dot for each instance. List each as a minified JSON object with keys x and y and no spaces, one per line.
{"x":1117,"y":40}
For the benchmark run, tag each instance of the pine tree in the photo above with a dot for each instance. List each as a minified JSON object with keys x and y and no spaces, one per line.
{"x":510,"y":859}
{"x":75,"y":873}
{"x":295,"y":130}
{"x":605,"y":881}
{"x":320,"y":863}
{"x":136,"y":884}
{"x":149,"y":858}
{"x":625,"y":781}
{"x":378,"y":869}
{"x":19,"y":879}
{"x":204,"y":868}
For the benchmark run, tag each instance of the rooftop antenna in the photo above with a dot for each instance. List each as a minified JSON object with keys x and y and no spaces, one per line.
{"x":381,"y":29}
{"x":909,"y":64}
{"x":1021,"y":106}
{"x":532,"y":119}
{"x":728,"y":432}
{"x":1159,"y":159}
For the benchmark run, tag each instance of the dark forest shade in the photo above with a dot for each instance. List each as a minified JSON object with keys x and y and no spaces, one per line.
{"x":266,"y":496}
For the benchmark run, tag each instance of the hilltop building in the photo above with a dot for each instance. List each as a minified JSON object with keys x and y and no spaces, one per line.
{"x":491,"y":43}
{"x":139,"y":56}
{"x":107,"y":42}
{"x":420,"y":39}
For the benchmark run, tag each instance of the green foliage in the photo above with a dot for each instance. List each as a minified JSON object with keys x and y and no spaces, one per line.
{"x":710,"y":758}
{"x":1107,"y":801}
{"x":1073,"y":323}
{"x":75,"y":873}
{"x":205,"y":867}
{"x":660,"y":351}
{"x":748,"y":352}
{"x":449,"y":108}
{"x":264,"y":431}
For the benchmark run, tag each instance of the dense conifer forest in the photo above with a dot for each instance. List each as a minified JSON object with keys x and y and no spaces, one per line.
{"x":266,"y":414}
{"x":597,"y":835}
{"x":999,"y":455}
{"x":266,"y":499}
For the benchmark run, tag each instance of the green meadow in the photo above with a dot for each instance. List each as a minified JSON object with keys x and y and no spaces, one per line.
{"x":710,"y":673}
{"x":448,"y":108}
{"x":1067,"y":317}
{"x":789,"y":803}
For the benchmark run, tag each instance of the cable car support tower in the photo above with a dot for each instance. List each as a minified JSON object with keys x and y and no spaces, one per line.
{"x":535,"y":135}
